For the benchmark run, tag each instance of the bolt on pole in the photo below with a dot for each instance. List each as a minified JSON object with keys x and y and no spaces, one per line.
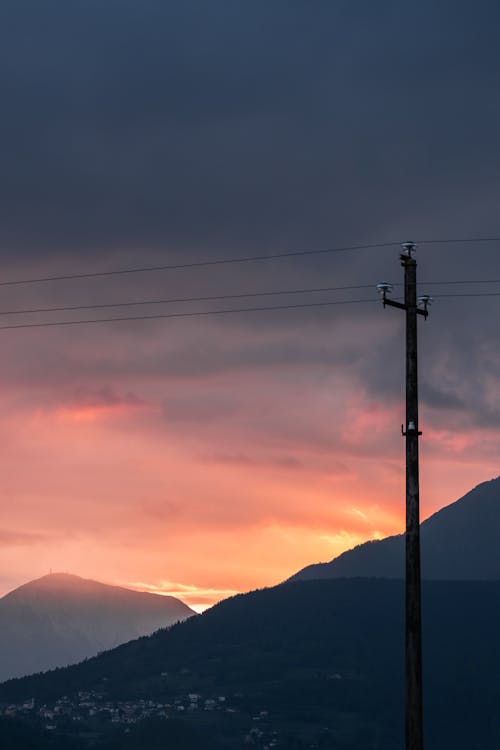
{"x":413,"y":656}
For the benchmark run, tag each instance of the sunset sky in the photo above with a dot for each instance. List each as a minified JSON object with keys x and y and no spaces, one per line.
{"x":202,"y":456}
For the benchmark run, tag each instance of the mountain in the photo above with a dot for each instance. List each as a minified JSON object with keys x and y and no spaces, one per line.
{"x":60,"y":619}
{"x":307,"y":664}
{"x":459,"y":542}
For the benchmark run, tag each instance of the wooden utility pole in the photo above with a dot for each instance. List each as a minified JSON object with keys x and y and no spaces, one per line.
{"x":414,"y":718}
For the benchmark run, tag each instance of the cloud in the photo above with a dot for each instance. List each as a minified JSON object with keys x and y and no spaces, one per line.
{"x":191,"y":131}
{"x":439,"y":398}
{"x":196,"y":597}
{"x":175,"y":114}
{"x":242,"y":459}
{"x":21,"y":538}
{"x":91,"y":404}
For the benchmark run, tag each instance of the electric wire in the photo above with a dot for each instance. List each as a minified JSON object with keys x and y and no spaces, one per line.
{"x":469,"y":294}
{"x":196,"y":264}
{"x":456,"y":281}
{"x":195,"y":314}
{"x":243,"y":259}
{"x":456,"y":241}
{"x":207,"y":313}
{"x":175,"y":300}
{"x":220,"y":297}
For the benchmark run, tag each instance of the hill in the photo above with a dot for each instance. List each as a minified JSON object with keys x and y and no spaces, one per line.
{"x":309,"y":663}
{"x":459,"y":542}
{"x":60,"y":619}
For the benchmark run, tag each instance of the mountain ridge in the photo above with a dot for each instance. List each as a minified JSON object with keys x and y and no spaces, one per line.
{"x":270,"y":655}
{"x":449,"y":545}
{"x":60,"y":619}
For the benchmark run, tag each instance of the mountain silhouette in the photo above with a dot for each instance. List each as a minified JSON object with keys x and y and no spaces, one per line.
{"x":60,"y":619}
{"x":459,"y":542}
{"x":314,"y":663}
{"x":324,"y":661}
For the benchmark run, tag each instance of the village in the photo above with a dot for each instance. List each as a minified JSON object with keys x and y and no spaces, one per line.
{"x":92,"y":710}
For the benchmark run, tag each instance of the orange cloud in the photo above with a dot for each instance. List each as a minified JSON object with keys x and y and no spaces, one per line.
{"x":208,"y":484}
{"x":196,"y":597}
{"x":92,"y":404}
{"x":22,"y":539}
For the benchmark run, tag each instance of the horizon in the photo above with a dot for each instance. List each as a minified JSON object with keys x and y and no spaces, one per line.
{"x":189,"y":594}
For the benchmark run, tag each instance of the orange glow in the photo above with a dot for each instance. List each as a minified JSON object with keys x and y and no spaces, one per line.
{"x":201,"y":498}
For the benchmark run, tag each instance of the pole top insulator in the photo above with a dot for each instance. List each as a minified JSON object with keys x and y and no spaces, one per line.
{"x":425,"y":300}
{"x":408,"y":249}
{"x":384,"y":288}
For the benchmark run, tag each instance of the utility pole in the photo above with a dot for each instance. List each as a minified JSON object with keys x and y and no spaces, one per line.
{"x":413,"y":307}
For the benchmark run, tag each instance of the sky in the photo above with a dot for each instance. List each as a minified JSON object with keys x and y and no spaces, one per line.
{"x":206,"y":455}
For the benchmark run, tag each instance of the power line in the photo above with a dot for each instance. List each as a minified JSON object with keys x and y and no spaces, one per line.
{"x":239,"y":295}
{"x":243,"y":295}
{"x":199,"y":313}
{"x":457,"y":281}
{"x":244,"y":259}
{"x":456,"y":241}
{"x":172,"y":300}
{"x":206,"y":313}
{"x":469,"y":294}
{"x":197,"y":264}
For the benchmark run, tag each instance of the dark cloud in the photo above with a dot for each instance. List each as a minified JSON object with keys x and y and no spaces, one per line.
{"x":186,"y":126}
{"x":105,"y":396}
{"x":439,"y":398}
{"x":167,"y":129}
